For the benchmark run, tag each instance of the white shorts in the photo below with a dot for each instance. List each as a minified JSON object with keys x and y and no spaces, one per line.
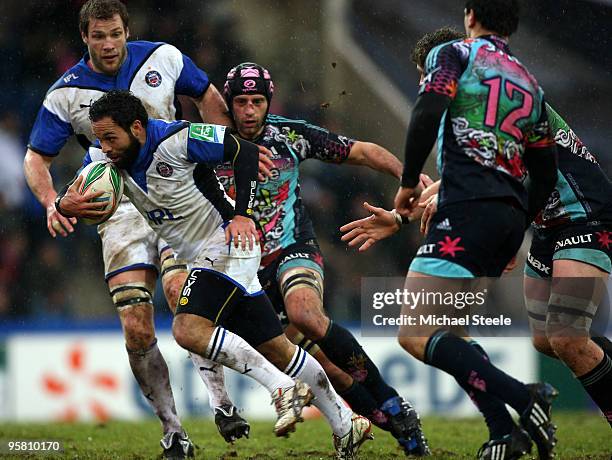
{"x":128,"y":242}
{"x":239,"y":266}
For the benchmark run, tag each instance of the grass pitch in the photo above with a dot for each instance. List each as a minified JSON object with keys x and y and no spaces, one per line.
{"x":581,"y":436}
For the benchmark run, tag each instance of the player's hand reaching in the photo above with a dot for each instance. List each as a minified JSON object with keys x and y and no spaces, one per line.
{"x":240,"y":230}
{"x":265,"y":163}
{"x":76,"y":205}
{"x":430,"y":207}
{"x":406,"y":201}
{"x":379,"y":225}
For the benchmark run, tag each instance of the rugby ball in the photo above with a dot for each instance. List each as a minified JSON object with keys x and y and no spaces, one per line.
{"x":102,"y":176}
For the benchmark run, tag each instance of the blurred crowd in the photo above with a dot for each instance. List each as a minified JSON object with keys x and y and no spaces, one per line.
{"x":42,"y":278}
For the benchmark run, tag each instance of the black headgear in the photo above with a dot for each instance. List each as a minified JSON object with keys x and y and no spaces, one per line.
{"x":247,"y":78}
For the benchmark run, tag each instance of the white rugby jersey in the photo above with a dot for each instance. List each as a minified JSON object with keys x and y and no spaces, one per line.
{"x":173,"y":185}
{"x":155,"y":72}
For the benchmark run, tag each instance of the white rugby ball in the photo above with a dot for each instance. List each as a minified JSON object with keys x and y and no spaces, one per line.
{"x":102,"y":176}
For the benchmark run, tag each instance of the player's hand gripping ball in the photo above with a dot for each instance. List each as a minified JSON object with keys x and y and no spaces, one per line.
{"x":101,"y":176}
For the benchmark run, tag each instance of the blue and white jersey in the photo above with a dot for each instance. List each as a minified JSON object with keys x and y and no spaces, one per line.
{"x":155,"y":72}
{"x":173,"y":185}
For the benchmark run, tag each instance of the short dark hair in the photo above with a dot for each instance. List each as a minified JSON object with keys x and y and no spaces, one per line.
{"x":121,"y":106}
{"x":429,"y":41}
{"x":500,"y":16}
{"x":102,"y":9}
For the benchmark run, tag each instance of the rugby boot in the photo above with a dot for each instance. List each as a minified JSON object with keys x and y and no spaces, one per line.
{"x":536,"y":419}
{"x":406,"y":426}
{"x":348,"y":445}
{"x":177,"y":446}
{"x":289,"y":404}
{"x":511,"y":447}
{"x":231,"y":425}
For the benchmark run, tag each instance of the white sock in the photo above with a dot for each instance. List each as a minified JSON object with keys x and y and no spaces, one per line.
{"x":213,"y":377}
{"x":232,"y":351}
{"x":304,"y":367}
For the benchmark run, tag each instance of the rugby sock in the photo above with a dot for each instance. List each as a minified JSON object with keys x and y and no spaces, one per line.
{"x":496,"y":415}
{"x":604,"y":343}
{"x":233,"y":351}
{"x":455,"y":356}
{"x":344,"y":351}
{"x":304,"y":367}
{"x":598,"y":382}
{"x":364,"y":404}
{"x":213,"y":377}
{"x":151,"y":372}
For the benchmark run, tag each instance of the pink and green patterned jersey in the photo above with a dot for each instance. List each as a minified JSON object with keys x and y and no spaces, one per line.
{"x":279,"y":212}
{"x":496,"y":113}
{"x":583,"y":192}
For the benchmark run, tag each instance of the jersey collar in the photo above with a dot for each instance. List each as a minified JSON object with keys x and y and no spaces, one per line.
{"x":498,"y":41}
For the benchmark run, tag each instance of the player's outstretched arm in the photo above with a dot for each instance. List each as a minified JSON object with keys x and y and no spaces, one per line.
{"x":212,"y":107}
{"x":366,"y":232}
{"x":376,"y":157}
{"x":37,"y":174}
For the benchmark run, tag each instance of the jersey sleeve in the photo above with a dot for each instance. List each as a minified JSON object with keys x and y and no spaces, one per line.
{"x":540,"y":136}
{"x":205,"y":143}
{"x":443,"y":69}
{"x":319,"y":143}
{"x":192,"y":81}
{"x":50,"y":131}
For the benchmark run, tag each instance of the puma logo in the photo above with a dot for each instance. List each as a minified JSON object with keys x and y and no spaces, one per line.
{"x":212,"y":261}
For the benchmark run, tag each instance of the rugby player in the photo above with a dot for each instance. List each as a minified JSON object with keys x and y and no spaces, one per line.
{"x":570,"y":253}
{"x":483,"y":204}
{"x":222,"y":300}
{"x":291,"y":270}
{"x":156,"y":72}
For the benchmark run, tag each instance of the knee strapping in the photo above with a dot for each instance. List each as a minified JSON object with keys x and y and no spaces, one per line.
{"x":302,"y":278}
{"x":170,"y":265}
{"x":536,"y":311}
{"x":570,"y":315}
{"x":125,"y":295}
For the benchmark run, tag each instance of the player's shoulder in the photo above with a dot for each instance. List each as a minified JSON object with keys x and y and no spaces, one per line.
{"x":77,"y":76}
{"x":280,"y":121}
{"x":141,"y":50}
{"x":146,"y":47}
{"x":161,"y":130}
{"x":460,"y":47}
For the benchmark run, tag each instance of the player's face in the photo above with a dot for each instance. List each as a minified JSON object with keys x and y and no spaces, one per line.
{"x":249,"y":114}
{"x":106,"y":42}
{"x":120,"y":146}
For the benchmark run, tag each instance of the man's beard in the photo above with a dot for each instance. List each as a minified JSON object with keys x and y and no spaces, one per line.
{"x":100,"y":64}
{"x":130,"y":154}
